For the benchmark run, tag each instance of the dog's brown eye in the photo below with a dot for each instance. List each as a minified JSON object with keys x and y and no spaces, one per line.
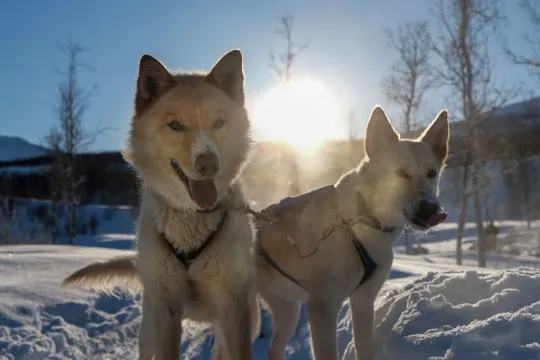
{"x":176,"y":125}
{"x":218,"y":124}
{"x":403,"y":174}
{"x":431,"y":173}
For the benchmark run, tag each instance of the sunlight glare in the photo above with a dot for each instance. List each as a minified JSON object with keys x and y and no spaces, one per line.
{"x":303,"y":113}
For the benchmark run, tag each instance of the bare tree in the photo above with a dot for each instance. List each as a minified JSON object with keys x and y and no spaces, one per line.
{"x":282,"y":65}
{"x":409,"y":79}
{"x":69,"y":137}
{"x":525,"y":168}
{"x":521,"y":170}
{"x":527,"y":174}
{"x":465,"y":68}
{"x":530,"y":8}
{"x":6,"y":217}
{"x":53,"y":141}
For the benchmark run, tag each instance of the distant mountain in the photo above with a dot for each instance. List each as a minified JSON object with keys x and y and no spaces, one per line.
{"x":16,"y":148}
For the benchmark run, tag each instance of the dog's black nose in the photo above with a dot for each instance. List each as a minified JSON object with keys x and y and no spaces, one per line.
{"x":426,"y":209}
{"x":207,"y":164}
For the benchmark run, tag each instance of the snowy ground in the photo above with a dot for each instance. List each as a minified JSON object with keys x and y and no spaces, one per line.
{"x":517,"y":245}
{"x":428,"y":309}
{"x":463,"y":315}
{"x":39,"y":320}
{"x":451,"y":314}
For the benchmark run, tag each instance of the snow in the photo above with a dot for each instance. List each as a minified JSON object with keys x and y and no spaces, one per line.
{"x":115,"y":225}
{"x":16,"y":148}
{"x":428,"y":309}
{"x":440,"y":315}
{"x":517,"y":245}
{"x":39,"y":320}
{"x":464,"y":315}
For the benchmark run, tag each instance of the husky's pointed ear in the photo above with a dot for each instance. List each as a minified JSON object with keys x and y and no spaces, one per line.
{"x":153,"y":81}
{"x":437,"y":135}
{"x":228,"y":75}
{"x":379,"y":133}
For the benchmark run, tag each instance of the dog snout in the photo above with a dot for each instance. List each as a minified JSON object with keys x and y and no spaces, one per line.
{"x":207,"y":164}
{"x":426,"y":209}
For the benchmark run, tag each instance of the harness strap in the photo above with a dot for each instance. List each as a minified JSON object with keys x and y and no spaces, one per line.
{"x":275,"y":265}
{"x":368,"y":263}
{"x":372,"y":223}
{"x":367,"y":219}
{"x":187,"y":257}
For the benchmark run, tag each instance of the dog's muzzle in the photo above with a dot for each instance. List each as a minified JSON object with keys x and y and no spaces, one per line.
{"x":428,"y":215}
{"x":207,"y":164}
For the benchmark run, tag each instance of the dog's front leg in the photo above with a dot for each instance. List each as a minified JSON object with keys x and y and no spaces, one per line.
{"x":362,"y":313}
{"x":167,"y":316}
{"x":322,"y":317}
{"x":146,"y":332}
{"x":235,"y":329}
{"x":218,"y":351}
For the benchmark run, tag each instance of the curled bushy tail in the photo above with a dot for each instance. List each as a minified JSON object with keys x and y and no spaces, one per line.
{"x":105,"y":276}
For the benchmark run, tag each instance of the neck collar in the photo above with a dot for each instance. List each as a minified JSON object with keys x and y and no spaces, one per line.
{"x":364,"y":217}
{"x":372,"y":222}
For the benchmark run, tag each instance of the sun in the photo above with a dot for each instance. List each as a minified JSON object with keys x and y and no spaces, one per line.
{"x":302,"y":112}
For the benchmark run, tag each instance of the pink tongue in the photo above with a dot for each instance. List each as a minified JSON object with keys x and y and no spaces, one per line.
{"x":204,"y":193}
{"x":436,"y":219}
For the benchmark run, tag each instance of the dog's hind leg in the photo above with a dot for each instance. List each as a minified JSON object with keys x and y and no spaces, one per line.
{"x":284,"y":321}
{"x":146,"y":333}
{"x":322,"y":317}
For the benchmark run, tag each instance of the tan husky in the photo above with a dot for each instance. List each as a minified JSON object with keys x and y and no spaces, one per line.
{"x":189,"y":139}
{"x":336,"y":242}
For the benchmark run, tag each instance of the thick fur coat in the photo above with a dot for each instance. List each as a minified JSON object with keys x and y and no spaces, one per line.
{"x":189,"y":139}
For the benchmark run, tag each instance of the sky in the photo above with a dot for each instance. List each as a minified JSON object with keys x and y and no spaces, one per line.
{"x":347,"y":53}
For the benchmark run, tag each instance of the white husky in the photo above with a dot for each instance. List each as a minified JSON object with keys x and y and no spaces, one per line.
{"x":189,"y":140}
{"x":336,"y":242}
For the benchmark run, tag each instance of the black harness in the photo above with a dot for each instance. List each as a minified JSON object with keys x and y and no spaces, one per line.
{"x":368,"y":263}
{"x":275,"y":265}
{"x":187,"y":257}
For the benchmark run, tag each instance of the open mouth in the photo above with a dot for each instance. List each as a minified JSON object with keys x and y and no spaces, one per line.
{"x":202,"y":192}
{"x":428,"y":217}
{"x":430,"y":222}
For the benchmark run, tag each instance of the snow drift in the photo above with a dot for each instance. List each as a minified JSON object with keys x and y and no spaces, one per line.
{"x":463,"y":315}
